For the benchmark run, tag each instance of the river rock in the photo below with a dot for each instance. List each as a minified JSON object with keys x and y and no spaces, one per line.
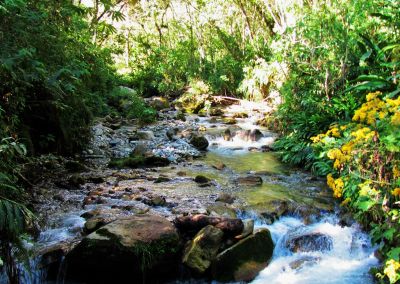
{"x":227,"y":135}
{"x":201,"y":179}
{"x":274,"y":209}
{"x":76,"y":180}
{"x":297,"y":241}
{"x":145,"y":135}
{"x":248,"y":228}
{"x":255,"y":135}
{"x":240,"y":115}
{"x":244,"y":260}
{"x":156,"y":200}
{"x":303,"y":261}
{"x":219,"y":166}
{"x":162,"y":179}
{"x":202,"y":250}
{"x":251,"y":180}
{"x":171,"y":133}
{"x":222,"y":210}
{"x":199,"y":142}
{"x":52,"y":256}
{"x":95,"y":223}
{"x":225,"y":198}
{"x":192,"y":224}
{"x":216,"y":112}
{"x":230,"y":121}
{"x":124,"y":249}
{"x":159,"y":103}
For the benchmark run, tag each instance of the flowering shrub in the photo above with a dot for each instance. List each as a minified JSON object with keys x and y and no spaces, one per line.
{"x":363,"y":158}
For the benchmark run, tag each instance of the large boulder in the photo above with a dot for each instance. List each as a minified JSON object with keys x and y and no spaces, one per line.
{"x":199,"y":142}
{"x":244,"y":260}
{"x":128,"y":248}
{"x":300,"y":240}
{"x":202,"y":250}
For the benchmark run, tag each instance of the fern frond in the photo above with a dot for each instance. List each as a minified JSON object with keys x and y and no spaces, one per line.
{"x":14,"y":218}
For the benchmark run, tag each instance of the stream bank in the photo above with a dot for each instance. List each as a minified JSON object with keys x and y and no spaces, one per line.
{"x":238,"y":178}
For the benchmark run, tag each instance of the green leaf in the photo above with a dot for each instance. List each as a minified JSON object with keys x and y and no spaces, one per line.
{"x":394,"y":253}
{"x":365,"y":205}
{"x":388,"y":234}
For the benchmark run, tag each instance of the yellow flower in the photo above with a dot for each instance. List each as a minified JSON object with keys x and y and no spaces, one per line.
{"x":336,"y":185}
{"x":393,"y":104}
{"x":335,"y":132}
{"x":330,"y":181}
{"x":396,"y":119}
{"x":363,"y":134}
{"x":318,"y":138}
{"x":338,"y":156}
{"x":396,"y":192}
{"x":372,"y":96}
{"x":392,"y":269}
{"x":367,"y":190}
{"x":371,"y":110}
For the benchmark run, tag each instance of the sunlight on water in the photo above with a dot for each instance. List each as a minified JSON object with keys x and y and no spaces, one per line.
{"x":243,"y":162}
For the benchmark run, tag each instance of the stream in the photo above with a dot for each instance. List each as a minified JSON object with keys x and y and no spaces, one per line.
{"x":304,"y":202}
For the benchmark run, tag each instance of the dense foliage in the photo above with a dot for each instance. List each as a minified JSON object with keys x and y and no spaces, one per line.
{"x":54,"y":77}
{"x":363,"y":161}
{"x":333,"y":66}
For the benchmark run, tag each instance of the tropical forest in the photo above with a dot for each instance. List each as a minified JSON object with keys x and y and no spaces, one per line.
{"x":195,"y":141}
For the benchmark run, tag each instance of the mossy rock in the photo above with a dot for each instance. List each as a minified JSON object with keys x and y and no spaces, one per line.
{"x":202,"y":250}
{"x":230,"y":121}
{"x":244,"y":260}
{"x":216,"y":112}
{"x":130,"y":248}
{"x":240,"y":115}
{"x":199,"y":142}
{"x":222,"y":209}
{"x":201,"y":179}
{"x":159,"y":103}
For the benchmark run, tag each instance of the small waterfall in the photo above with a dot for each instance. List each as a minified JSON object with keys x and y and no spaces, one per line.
{"x":348,"y":261}
{"x":62,"y":271}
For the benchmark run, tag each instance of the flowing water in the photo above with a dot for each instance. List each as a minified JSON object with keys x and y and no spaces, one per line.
{"x":351,"y":254}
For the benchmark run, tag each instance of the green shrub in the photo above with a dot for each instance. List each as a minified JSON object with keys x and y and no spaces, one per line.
{"x":128,"y":103}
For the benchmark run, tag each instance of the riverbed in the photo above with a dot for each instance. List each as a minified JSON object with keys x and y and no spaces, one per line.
{"x":287,"y":201}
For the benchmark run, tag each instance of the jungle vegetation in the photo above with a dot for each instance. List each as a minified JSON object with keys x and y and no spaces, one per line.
{"x":332,"y":67}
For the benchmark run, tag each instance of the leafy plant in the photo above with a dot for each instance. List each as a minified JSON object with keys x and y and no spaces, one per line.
{"x":361,"y":160}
